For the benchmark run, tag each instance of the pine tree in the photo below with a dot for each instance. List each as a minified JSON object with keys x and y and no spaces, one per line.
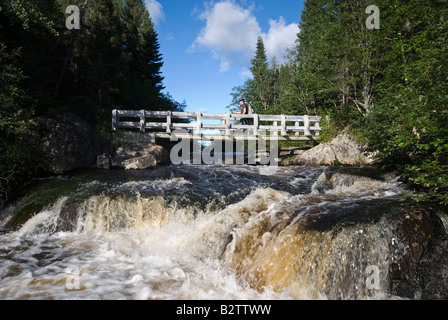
{"x":408,"y":124}
{"x":261,"y":82}
{"x":22,"y":26}
{"x":141,"y":58}
{"x":289,"y":89}
{"x":93,"y":78}
{"x":316,"y":55}
{"x":112,"y":61}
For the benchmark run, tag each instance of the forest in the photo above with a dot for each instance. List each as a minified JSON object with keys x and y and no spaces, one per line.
{"x":387,"y":85}
{"x":112,"y":61}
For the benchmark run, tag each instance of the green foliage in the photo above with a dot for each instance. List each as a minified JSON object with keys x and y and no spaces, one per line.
{"x":112,"y":61}
{"x":17,"y":145}
{"x":408,"y":125}
{"x":274,"y":89}
{"x":389,"y":87}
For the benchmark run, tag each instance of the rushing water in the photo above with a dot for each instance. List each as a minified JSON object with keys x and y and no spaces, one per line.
{"x":200,"y":232}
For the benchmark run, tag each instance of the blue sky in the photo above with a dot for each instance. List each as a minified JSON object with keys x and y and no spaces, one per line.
{"x":207,"y":46}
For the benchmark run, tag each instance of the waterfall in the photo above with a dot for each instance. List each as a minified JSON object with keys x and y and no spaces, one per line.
{"x":213,"y":232}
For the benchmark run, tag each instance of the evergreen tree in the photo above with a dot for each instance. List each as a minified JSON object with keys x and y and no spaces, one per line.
{"x":141,"y":58}
{"x":389,"y":85}
{"x":19,"y":20}
{"x":93,"y":76}
{"x":112,"y":61}
{"x":261,"y":82}
{"x":289,"y":89}
{"x":408,"y":124}
{"x":316,"y":54}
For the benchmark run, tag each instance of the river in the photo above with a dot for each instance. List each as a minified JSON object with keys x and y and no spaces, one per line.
{"x":201,"y":232}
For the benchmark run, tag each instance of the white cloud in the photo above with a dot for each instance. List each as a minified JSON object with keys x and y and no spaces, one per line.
{"x":245,"y":74}
{"x":280,"y":38}
{"x":155,"y":11}
{"x":231,"y":33}
{"x":202,"y":110}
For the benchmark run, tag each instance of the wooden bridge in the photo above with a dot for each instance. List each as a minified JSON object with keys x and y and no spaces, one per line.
{"x":216,"y":126}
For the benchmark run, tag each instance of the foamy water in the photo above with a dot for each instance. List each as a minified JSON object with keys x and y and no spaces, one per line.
{"x":205,"y":232}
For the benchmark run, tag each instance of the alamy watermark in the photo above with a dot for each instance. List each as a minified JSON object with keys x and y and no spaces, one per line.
{"x":373,"y":278}
{"x":73,"y":21}
{"x":373,"y":21}
{"x":72,"y":282}
{"x":228,"y":151}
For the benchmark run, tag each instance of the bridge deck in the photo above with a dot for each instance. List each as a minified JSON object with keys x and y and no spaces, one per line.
{"x":214,"y":126}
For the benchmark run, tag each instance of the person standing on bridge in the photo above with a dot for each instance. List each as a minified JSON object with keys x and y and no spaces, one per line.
{"x":244,"y":110}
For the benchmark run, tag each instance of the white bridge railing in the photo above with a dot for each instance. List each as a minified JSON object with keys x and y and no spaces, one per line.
{"x":213,"y":125}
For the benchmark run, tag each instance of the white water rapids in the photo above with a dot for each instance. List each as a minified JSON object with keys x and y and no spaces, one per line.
{"x":197,"y":232}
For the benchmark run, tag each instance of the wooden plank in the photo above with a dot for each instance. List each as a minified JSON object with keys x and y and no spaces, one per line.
{"x":242,"y":127}
{"x":129,"y":113}
{"x":269,"y":118}
{"x":214,"y":116}
{"x":295,"y":129}
{"x":294,"y":118}
{"x":184,"y":115}
{"x":155,"y":126}
{"x":162,"y":125}
{"x":213,"y":126}
{"x":156,"y":114}
{"x":131,"y":125}
{"x":210,"y":137}
{"x":183,"y":126}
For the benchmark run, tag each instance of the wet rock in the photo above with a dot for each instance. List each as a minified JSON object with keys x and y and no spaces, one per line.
{"x":140,"y":155}
{"x":103,"y":161}
{"x":140,"y":163}
{"x":342,"y":150}
{"x":419,"y":250}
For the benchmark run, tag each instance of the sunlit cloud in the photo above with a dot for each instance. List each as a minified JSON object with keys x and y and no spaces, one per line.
{"x":230,"y":34}
{"x":155,"y":11}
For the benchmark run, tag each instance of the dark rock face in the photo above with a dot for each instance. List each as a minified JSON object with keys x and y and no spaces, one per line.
{"x":419,"y":249}
{"x":67,"y":143}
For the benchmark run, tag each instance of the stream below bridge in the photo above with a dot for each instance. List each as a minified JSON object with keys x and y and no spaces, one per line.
{"x":222,"y":232}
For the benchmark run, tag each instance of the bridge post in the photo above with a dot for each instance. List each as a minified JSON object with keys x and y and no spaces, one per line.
{"x":256,"y":121}
{"x":275,"y":124}
{"x":307,"y":125}
{"x":142,"y":120}
{"x":114,"y":120}
{"x":284,"y":125}
{"x":198,"y":127}
{"x":297,"y":125}
{"x":227,"y":124}
{"x":168,"y":122}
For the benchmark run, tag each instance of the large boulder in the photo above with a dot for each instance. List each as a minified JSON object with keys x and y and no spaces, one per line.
{"x":342,"y":150}
{"x":139,"y":155}
{"x":67,"y":142}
